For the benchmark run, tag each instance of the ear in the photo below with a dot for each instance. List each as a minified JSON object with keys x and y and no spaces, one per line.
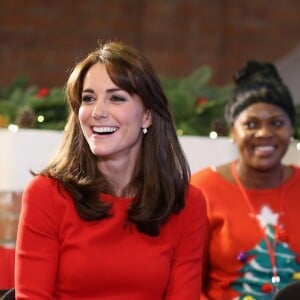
{"x":147,"y":120}
{"x":232,"y":134}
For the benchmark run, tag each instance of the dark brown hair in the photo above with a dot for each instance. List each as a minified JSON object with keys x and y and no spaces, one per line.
{"x":161,"y":175}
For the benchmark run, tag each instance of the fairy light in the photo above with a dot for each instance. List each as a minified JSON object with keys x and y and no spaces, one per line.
{"x":213,"y":135}
{"x":40,"y":118}
{"x":179,"y":132}
{"x":13,"y":128}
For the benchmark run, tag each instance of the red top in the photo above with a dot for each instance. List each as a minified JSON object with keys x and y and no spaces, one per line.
{"x":235,"y":234}
{"x":61,"y":256}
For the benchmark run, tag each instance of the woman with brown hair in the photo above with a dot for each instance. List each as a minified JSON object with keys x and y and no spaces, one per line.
{"x":113,"y":216}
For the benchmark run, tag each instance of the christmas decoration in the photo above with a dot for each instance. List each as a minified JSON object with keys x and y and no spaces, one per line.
{"x":28,"y":106}
{"x":197,"y":105}
{"x":257,"y":279}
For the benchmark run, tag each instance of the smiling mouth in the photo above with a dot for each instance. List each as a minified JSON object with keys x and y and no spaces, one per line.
{"x":103,"y":130}
{"x":264,"y":150}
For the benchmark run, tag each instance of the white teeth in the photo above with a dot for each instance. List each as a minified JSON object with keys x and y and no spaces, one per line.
{"x":265,"y":148}
{"x":105,"y":129}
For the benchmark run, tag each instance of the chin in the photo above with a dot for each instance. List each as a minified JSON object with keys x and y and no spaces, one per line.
{"x":266,"y":166}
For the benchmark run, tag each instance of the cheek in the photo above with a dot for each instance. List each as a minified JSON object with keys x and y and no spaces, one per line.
{"x":133,"y":117}
{"x":83,"y":120}
{"x":240,"y":136}
{"x":286,"y":139}
{"x":82,"y":114}
{"x":243,"y":141}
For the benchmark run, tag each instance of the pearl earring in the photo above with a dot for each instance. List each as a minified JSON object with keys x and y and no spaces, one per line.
{"x":145,"y":130}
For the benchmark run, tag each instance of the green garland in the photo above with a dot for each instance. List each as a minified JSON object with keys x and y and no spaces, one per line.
{"x":196,"y":105}
{"x":32,"y":107}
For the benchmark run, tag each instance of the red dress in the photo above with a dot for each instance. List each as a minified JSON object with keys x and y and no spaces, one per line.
{"x":61,"y":256}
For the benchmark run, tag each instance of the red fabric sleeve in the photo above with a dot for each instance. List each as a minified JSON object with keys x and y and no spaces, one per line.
{"x":37,"y":244}
{"x":186,"y":274}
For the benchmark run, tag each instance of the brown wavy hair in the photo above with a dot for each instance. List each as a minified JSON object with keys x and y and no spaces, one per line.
{"x":161,"y":174}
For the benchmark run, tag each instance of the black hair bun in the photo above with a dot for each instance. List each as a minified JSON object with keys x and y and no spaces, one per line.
{"x":256,"y":71}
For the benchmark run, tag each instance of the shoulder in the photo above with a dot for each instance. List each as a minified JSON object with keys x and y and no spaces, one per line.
{"x":41,"y":189}
{"x":291,"y":174}
{"x":193,"y":213}
{"x":295,"y":169}
{"x":211,"y":174}
{"x":203,"y":174}
{"x":195,"y":200}
{"x":41,"y":184}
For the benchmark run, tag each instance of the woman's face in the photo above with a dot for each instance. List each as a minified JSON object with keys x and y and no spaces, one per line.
{"x":110,"y":118}
{"x":262,"y":134}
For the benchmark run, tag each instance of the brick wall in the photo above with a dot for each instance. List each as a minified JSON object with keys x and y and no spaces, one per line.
{"x":43,"y":39}
{"x":10,"y":205}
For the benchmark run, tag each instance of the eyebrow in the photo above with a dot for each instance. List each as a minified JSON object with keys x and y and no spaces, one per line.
{"x":111,"y":90}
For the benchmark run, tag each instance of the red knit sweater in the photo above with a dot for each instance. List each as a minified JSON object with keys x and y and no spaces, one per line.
{"x":233,"y":231}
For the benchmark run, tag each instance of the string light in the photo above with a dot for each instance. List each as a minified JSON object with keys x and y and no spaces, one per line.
{"x":40,"y":118}
{"x":213,"y":135}
{"x":13,"y":128}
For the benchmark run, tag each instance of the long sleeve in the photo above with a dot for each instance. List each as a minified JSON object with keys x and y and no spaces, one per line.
{"x":60,"y":256}
{"x":186,"y":274}
{"x":37,"y":249}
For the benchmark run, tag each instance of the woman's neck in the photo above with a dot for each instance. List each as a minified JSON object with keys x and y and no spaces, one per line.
{"x":118,"y":175}
{"x":259,"y":179}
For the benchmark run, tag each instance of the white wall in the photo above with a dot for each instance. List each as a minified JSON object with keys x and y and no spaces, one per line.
{"x":32,"y":149}
{"x":202,"y":151}
{"x":24,"y":150}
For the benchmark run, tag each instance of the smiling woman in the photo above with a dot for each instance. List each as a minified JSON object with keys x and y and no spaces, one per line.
{"x":111,"y":120}
{"x":113,"y":215}
{"x":262,"y":133}
{"x":252,"y":201}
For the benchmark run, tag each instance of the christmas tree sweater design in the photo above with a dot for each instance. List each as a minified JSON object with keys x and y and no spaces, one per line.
{"x":257,"y":280}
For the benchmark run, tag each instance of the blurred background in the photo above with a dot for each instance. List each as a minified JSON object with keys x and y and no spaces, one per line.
{"x":195,"y":45}
{"x":43,"y":39}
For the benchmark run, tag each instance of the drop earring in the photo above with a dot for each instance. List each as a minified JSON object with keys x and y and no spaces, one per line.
{"x":145,"y":130}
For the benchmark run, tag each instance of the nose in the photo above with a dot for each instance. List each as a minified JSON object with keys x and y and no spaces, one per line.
{"x":100,"y":109}
{"x":264,"y":131}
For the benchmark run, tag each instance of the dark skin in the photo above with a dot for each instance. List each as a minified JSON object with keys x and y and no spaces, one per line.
{"x":262,"y":134}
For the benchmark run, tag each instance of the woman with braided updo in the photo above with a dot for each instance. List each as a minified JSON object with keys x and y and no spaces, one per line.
{"x":253,"y":205}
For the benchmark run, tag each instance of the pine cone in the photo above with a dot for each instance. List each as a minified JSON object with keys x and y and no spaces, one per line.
{"x":219,"y":126}
{"x":25,"y":118}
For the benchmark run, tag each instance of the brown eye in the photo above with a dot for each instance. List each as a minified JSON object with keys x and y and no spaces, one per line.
{"x":278,"y":123}
{"x":87,"y":98}
{"x":250,"y":125}
{"x":117,"y":98}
